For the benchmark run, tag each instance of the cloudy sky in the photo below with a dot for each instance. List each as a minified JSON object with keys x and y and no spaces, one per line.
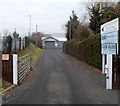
{"x":49,"y":15}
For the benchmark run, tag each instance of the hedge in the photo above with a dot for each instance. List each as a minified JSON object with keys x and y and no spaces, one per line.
{"x":88,"y":50}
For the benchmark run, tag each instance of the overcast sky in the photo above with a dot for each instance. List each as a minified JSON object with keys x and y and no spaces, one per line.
{"x":49,"y":15}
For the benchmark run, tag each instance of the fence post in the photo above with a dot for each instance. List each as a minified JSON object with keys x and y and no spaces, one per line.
{"x":30,"y":61}
{"x":15,"y":69}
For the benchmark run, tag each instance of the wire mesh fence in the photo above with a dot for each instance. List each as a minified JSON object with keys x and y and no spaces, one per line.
{"x":14,"y":45}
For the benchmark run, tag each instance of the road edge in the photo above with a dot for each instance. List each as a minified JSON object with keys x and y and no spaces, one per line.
{"x":7,"y":89}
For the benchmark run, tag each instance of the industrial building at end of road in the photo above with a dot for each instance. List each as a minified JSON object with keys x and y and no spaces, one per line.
{"x":53,"y":42}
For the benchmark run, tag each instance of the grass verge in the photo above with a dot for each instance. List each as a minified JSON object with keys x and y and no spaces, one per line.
{"x":34,"y":50}
{"x":4,"y":85}
{"x":35,"y":53}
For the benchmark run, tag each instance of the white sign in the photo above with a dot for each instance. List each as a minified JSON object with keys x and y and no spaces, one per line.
{"x":5,"y":56}
{"x":109,"y":38}
{"x":109,"y":48}
{"x":111,"y":26}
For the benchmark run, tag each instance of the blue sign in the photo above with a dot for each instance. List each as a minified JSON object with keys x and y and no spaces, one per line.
{"x":109,"y":38}
{"x":104,"y":37}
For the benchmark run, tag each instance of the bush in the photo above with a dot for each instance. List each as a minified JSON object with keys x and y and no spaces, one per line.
{"x":88,"y":50}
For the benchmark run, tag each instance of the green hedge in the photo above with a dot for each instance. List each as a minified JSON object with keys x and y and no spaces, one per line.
{"x":88,"y":50}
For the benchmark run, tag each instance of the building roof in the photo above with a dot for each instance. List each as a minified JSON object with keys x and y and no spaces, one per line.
{"x":56,"y":38}
{"x":47,"y":38}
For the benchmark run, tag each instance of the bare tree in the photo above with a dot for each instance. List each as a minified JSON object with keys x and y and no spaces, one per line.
{"x":5,"y":32}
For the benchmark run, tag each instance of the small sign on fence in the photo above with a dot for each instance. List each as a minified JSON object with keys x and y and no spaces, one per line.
{"x":5,"y":56}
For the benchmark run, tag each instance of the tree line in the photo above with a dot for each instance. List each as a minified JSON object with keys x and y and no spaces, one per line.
{"x":99,"y":13}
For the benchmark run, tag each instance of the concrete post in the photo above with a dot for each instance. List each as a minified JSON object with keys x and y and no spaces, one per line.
{"x":103,"y":64}
{"x":109,"y":72}
{"x":15,"y":69}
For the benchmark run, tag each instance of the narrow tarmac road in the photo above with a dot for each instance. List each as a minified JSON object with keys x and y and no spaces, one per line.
{"x":58,"y":78}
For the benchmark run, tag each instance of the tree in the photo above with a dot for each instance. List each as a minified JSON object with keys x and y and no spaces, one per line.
{"x":68,"y":34}
{"x":95,"y":16}
{"x":117,"y":9}
{"x":74,"y":23}
{"x":83,"y":32}
{"x":108,"y":12}
{"x":101,"y":12}
{"x":36,"y":38}
{"x":15,"y":35}
{"x":71,"y":26}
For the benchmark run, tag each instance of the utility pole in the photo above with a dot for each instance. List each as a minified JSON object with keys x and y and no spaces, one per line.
{"x":36,"y":34}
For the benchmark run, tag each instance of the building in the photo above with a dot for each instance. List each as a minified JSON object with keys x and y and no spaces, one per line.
{"x":52,"y":42}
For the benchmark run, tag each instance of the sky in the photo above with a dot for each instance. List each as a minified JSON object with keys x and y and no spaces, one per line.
{"x":49,"y":15}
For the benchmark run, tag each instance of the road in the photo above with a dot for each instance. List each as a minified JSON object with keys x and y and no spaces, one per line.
{"x":58,"y":78}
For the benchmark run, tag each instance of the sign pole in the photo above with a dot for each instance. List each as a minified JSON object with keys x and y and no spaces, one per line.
{"x":103,"y":64}
{"x":109,"y":47}
{"x":109,"y":72}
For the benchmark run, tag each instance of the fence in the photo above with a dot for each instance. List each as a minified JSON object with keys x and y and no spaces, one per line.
{"x":18,"y":44}
{"x":13,"y":45}
{"x":116,"y":72}
{"x":24,"y":66}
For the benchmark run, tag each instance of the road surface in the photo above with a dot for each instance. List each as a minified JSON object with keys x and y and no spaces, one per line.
{"x":58,"y":78}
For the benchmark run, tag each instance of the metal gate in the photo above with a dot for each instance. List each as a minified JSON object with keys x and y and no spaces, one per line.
{"x":116,"y":72}
{"x":24,"y":66}
{"x":7,"y":68}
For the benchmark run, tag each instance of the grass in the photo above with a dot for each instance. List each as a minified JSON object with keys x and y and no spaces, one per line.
{"x":33,"y":50}
{"x":35,"y":53}
{"x":4,"y":85}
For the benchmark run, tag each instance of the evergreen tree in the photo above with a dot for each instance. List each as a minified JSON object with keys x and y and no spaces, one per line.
{"x":74,"y":24}
{"x":71,"y":26}
{"x":95,"y":16}
{"x":100,"y":13}
{"x":68,"y":30}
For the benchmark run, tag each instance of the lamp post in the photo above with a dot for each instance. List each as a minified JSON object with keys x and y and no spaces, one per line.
{"x":30,"y":26}
{"x":36,"y":34}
